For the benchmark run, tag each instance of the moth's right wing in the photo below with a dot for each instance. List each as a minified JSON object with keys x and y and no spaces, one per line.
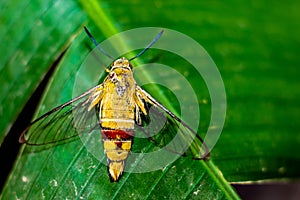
{"x":66,"y":121}
{"x":166,"y":130}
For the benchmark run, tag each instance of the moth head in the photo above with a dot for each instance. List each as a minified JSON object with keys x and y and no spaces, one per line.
{"x":121,"y":63}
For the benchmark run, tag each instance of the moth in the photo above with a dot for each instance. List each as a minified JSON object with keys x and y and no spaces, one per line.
{"x":117,"y":107}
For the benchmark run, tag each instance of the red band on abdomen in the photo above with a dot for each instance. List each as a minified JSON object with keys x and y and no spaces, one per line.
{"x":117,"y":134}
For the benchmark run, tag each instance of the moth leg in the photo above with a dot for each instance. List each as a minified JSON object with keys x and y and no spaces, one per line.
{"x":138,"y":119}
{"x":96,"y":97}
{"x":139,"y":102}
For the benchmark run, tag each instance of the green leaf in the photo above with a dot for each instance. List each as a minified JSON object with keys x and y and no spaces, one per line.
{"x":30,"y":46}
{"x":255,"y":54}
{"x":69,"y":171}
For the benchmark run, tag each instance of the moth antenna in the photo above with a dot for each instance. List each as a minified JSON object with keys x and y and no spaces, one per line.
{"x":149,"y":45}
{"x":96,"y":43}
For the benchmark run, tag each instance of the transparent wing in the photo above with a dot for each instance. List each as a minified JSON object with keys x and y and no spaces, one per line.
{"x":64,"y":122}
{"x":168,"y":131}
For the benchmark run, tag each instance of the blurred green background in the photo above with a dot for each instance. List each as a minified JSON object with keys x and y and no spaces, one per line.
{"x":255,"y":45}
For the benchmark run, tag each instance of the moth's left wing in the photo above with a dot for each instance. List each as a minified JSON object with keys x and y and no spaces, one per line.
{"x":166,"y":129}
{"x":65,"y":122}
